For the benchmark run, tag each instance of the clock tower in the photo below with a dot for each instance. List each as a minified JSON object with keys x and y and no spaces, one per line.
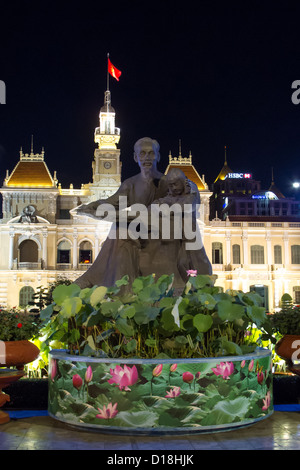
{"x":106,"y":164}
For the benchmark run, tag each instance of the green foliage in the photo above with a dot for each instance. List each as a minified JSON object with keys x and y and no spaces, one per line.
{"x":150,"y":320}
{"x":287,"y":321}
{"x":16,"y":325}
{"x":286,"y":302}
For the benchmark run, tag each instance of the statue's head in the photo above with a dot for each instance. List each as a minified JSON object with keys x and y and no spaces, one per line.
{"x":146,"y":152}
{"x":176,"y":181}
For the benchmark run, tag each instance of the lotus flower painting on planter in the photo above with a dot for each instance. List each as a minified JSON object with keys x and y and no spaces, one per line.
{"x":148,"y":361}
{"x":199,"y":395}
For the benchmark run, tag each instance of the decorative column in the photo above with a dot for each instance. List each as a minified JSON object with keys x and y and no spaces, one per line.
{"x":11,"y":250}
{"x":44,"y":248}
{"x":286,"y":249}
{"x":269,"y":248}
{"x":96,"y":248}
{"x":245,"y":248}
{"x":228,"y":247}
{"x":75,"y":256}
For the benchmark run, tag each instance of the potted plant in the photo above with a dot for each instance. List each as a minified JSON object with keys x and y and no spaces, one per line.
{"x":286,"y":324}
{"x":16,"y":329}
{"x":152,"y":361}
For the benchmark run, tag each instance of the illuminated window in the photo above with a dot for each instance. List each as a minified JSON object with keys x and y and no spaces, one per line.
{"x":257,"y":254}
{"x":277,"y":254}
{"x":85,"y":252}
{"x":295,"y":254}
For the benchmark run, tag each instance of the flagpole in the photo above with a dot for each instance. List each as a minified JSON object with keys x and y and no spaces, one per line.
{"x":107,"y":73}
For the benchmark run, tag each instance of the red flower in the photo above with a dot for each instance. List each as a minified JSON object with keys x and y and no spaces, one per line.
{"x":19,"y":325}
{"x":187,"y":377}
{"x":77,"y":381}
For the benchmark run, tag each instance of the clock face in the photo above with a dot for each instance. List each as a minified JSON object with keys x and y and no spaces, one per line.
{"x":107,"y":165}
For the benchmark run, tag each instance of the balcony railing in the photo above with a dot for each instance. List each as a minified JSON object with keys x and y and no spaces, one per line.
{"x":64,"y":266}
{"x":28,"y":265}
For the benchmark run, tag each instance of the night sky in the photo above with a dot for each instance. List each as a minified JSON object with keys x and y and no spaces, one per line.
{"x":208,"y":73}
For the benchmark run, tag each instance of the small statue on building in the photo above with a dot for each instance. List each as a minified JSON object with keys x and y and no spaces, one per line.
{"x":28,"y":216}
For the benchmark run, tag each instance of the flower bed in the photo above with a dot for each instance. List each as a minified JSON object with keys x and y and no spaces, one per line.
{"x":160,"y":395}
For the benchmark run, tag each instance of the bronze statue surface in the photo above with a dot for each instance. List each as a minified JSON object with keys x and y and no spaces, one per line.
{"x":129,"y":248}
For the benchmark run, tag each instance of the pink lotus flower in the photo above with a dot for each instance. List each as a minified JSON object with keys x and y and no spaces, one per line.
{"x":251,"y":365}
{"x":174,"y":392}
{"x":173,"y":367}
{"x":157,"y":370}
{"x":267,"y":401}
{"x":88,"y":375}
{"x":192,"y":272}
{"x":224,"y":368}
{"x":187,"y":377}
{"x":108,"y":412}
{"x":53,"y":369}
{"x":124,"y":377}
{"x":243,"y":363}
{"x":77,"y":381}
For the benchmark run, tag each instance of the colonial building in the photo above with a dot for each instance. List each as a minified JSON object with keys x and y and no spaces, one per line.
{"x":251,"y":236}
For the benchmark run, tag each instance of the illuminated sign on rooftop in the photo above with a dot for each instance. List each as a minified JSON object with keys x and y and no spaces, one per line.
{"x":264,"y":195}
{"x":239,"y":176}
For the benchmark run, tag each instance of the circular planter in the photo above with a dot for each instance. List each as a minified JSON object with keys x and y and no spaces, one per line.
{"x":159,"y":395}
{"x":288,"y":348}
{"x":19,"y":353}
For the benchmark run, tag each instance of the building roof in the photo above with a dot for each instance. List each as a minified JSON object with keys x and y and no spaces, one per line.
{"x":276,"y":191}
{"x":185,"y":164}
{"x":31,"y":171}
{"x":225,"y":170}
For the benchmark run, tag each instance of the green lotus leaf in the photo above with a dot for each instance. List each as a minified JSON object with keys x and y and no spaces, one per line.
{"x":70,"y":307}
{"x":202,"y":322}
{"x":230,"y":311}
{"x":62,"y":291}
{"x":98,"y":295}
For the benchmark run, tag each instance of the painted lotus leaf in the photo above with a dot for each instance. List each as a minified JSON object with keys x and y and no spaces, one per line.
{"x":139,"y":419}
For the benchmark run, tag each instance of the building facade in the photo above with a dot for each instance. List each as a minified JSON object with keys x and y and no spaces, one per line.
{"x":41,"y":241}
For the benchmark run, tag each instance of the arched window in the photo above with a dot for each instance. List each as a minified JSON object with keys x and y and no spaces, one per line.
{"x":236,"y":254}
{"x":64,"y":252}
{"x":295,"y":254}
{"x":217,"y":253}
{"x":25,"y":296}
{"x":257,"y":254}
{"x":85,"y":252}
{"x":296,"y":290}
{"x":29,"y":252}
{"x":277,"y":254}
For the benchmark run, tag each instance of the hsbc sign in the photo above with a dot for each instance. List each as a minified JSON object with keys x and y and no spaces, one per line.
{"x":239,"y":175}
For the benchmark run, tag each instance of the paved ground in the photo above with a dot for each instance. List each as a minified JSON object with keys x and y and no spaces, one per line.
{"x":279,"y":432}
